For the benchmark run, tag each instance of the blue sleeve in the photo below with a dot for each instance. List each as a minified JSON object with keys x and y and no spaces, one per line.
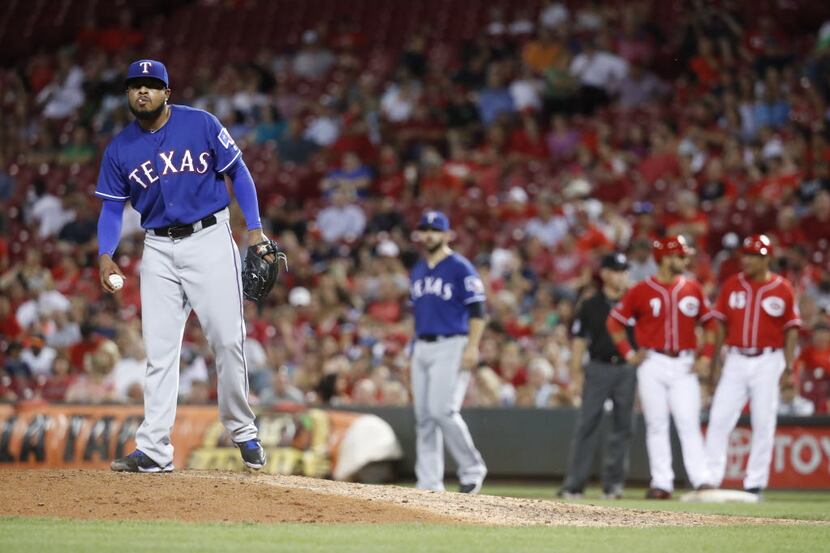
{"x":245,"y":192}
{"x":109,"y":226}
{"x":225,"y":150}
{"x":472,"y":288}
{"x":111,"y":183}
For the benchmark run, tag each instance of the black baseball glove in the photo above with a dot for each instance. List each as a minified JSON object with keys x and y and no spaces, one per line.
{"x":262,"y":266}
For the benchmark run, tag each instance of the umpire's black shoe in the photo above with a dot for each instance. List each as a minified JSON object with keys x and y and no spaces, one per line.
{"x":137,"y":461}
{"x":473,"y":488}
{"x":253,"y":455}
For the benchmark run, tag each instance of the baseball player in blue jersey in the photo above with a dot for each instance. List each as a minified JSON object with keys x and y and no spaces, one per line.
{"x":448,"y":302}
{"x":171,"y":164}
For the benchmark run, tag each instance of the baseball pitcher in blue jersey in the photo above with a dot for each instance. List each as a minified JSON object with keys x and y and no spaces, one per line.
{"x":171,"y":164}
{"x":448,"y":302}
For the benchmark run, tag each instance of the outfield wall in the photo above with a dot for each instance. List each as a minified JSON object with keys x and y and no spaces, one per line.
{"x":515,"y":443}
{"x":534,"y":443}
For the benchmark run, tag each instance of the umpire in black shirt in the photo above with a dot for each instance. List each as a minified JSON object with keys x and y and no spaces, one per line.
{"x":607,"y":376}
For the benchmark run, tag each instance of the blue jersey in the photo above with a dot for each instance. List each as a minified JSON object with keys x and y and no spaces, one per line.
{"x":174,"y":175}
{"x":440,"y":295}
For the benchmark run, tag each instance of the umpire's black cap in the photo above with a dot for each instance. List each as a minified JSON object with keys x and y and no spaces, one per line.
{"x":615,"y":262}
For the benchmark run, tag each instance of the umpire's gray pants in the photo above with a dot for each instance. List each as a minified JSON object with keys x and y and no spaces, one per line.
{"x":603,"y":381}
{"x":438,"y":387}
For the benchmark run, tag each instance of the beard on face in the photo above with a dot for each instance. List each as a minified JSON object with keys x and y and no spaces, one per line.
{"x":432,"y":248}
{"x":147,"y":115}
{"x":677,"y":268}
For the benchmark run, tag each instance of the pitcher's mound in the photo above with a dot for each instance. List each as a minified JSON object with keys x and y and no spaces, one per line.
{"x":209,"y":496}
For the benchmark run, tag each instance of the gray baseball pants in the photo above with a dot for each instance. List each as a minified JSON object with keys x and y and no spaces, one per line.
{"x":199,"y":272}
{"x":438,"y":387}
{"x":603,"y":381}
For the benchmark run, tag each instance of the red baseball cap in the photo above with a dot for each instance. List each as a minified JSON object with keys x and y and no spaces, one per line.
{"x":670,"y":245}
{"x":757,"y":244}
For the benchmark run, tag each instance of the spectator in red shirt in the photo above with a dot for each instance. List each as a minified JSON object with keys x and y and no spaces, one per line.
{"x":54,"y":387}
{"x":511,"y":365}
{"x":526,"y":141}
{"x":812,"y":369}
{"x":88,"y":344}
{"x":780,"y":183}
{"x":687,"y":219}
{"x":788,"y":232}
{"x":705,"y":65}
{"x":816,"y":225}
{"x":390,"y":182}
{"x":727,"y":262}
{"x":9,"y":327}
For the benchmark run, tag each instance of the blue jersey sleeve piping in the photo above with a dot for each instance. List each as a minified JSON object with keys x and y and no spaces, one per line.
{"x":111,"y":197}
{"x":226,"y":167}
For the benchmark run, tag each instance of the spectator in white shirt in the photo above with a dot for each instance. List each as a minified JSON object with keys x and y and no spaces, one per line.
{"x":341,"y":220}
{"x":324,"y":128}
{"x":47,"y":211}
{"x":600,"y":74}
{"x":398,"y":101}
{"x":130,"y":370}
{"x":65,"y":94}
{"x":526,"y":91}
{"x":547,"y":227}
{"x":641,"y":263}
{"x":281,"y":389}
{"x":313,"y":61}
{"x":553,"y":15}
{"x":38,"y":356}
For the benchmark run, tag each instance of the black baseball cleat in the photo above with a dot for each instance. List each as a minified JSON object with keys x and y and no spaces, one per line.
{"x":758,"y":492}
{"x":137,"y":461}
{"x":253,"y":454}
{"x":473,"y":488}
{"x":657,"y":493}
{"x":565,"y":493}
{"x":612,"y":492}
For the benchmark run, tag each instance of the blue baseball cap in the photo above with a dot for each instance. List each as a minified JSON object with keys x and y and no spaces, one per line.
{"x":434,"y":220}
{"x":148,"y":69}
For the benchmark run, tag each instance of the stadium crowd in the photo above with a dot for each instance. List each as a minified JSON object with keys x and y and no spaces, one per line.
{"x":550,"y":138}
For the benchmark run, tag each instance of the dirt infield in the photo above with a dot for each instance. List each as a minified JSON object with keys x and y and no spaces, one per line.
{"x":212,"y":496}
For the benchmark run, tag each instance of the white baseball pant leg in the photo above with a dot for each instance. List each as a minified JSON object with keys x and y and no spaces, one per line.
{"x":669,"y":388}
{"x":764,"y":387}
{"x":438,"y":386}
{"x":728,"y":402}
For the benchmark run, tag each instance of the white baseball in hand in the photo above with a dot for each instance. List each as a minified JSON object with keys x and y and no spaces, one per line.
{"x":116,"y":281}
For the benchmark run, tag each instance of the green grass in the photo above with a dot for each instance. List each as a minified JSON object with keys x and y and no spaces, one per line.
{"x":49,"y":535}
{"x":777,"y":504}
{"x":22,"y":535}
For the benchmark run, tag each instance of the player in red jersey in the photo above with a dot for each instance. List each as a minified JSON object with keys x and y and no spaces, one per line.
{"x":759,"y":315}
{"x":665,"y":310}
